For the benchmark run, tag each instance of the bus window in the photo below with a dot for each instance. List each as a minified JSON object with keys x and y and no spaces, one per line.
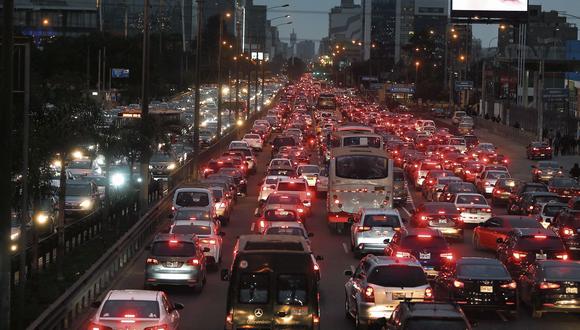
{"x":254,"y":288}
{"x":373,"y":142}
{"x":292,"y":290}
{"x":362,"y":167}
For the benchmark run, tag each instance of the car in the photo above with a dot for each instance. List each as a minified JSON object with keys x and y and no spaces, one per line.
{"x":486,"y":235}
{"x":239,"y":178}
{"x":321,"y":187}
{"x":485,"y":182}
{"x":81,"y":197}
{"x":427,"y":315}
{"x":551,"y":286}
{"x":280,"y":162}
{"x":400,"y":190}
{"x":288,"y":228}
{"x":370,"y":228}
{"x":274,"y":213}
{"x":224,"y":203}
{"x":267,"y":186}
{"x":545,"y":170}
{"x":299,"y":186}
{"x":208,"y":234}
{"x":465,"y":128}
{"x":239,"y":145}
{"x":440,"y":216}
{"x":194,"y":196}
{"x":254,"y":141}
{"x":248,"y":156}
{"x":457,"y":115}
{"x":176,"y":259}
{"x":309,"y":173}
{"x":422,"y":170}
{"x":470,"y":169}
{"x":531,"y":202}
{"x":503,"y":190}
{"x":162,"y":164}
{"x":566,"y":188}
{"x":426,"y":245}
{"x":524,"y":246}
{"x":453,"y":188}
{"x":143,"y":309}
{"x":538,"y":150}
{"x":567,"y":224}
{"x":477,"y":283}
{"x":524,"y":187}
{"x":473,"y":207}
{"x":434,"y":191}
{"x":378,"y":284}
{"x":548,"y":211}
{"x":82,"y":167}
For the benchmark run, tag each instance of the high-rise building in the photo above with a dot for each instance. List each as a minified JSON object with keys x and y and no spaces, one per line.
{"x":254,"y":26}
{"x":345,"y":28}
{"x":305,"y":50}
{"x":292,"y":43}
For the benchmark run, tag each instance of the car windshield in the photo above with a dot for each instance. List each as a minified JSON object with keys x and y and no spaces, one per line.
{"x":251,"y":136}
{"x":254,"y":288}
{"x":291,"y":186}
{"x":280,"y":162}
{"x":435,"y":323}
{"x":464,"y":187}
{"x":294,"y":231}
{"x":482,"y":271}
{"x":292,"y":289}
{"x":568,"y":273}
{"x":471,"y":199}
{"x":192,"y":199}
{"x":280,"y":215}
{"x":540,"y":242}
{"x":192,"y":229}
{"x":362,"y":167}
{"x":400,"y":276}
{"x":382,"y":220}
{"x":424,"y":242}
{"x":552,"y":210}
{"x":147,"y":309}
{"x":160,"y":158}
{"x":548,"y":165}
{"x":80,"y":164}
{"x":173,"y":249}
{"x":78,"y":190}
{"x":497,"y":175}
{"x":192,"y":215}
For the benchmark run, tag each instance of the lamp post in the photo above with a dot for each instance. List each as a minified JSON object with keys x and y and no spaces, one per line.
{"x":219,"y":74}
{"x":417,"y":64}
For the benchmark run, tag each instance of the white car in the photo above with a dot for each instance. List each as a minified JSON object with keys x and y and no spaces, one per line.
{"x":280,"y":162}
{"x":309,"y":173}
{"x":473,"y":208}
{"x":457,"y":116}
{"x":83,"y":167}
{"x":208,"y":233}
{"x":142,"y":309}
{"x":254,"y":141}
{"x":296,"y":186}
{"x":239,"y":145}
{"x":268,"y":186}
{"x":294,"y":228}
{"x":322,"y":183}
{"x":371,"y":227}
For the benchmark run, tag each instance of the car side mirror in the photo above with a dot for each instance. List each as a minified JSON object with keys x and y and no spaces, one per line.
{"x":499,"y":240}
{"x":225,"y":275}
{"x":348,"y":272}
{"x":178,"y":306}
{"x":205,"y":249}
{"x":319,"y":258}
{"x":95,"y":304}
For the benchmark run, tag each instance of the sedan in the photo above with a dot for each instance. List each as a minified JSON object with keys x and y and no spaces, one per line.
{"x":486,"y":235}
{"x":441,"y":216}
{"x":473,"y":208}
{"x":486,"y":181}
{"x":538,"y":150}
{"x":566,"y":188}
{"x":543,"y":171}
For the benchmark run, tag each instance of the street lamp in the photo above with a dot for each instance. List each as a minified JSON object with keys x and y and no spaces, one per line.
{"x":219,"y":73}
{"x":417,"y":64}
{"x":279,"y":17}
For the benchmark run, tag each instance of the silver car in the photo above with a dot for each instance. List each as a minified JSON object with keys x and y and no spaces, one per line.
{"x":208,"y":234}
{"x":82,"y":197}
{"x":371,"y":228}
{"x":136,"y":309}
{"x":486,"y":181}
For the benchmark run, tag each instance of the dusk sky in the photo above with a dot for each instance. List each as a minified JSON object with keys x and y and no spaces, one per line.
{"x":310,"y":17}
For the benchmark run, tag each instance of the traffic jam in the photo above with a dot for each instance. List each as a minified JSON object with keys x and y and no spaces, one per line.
{"x":436,"y":227}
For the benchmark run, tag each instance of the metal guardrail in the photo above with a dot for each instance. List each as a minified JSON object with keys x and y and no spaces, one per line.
{"x":97,"y":279}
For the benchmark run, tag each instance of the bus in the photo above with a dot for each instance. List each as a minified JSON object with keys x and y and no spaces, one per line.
{"x":358,"y":177}
{"x":355,"y":128}
{"x":340,"y":139}
{"x":273,"y":284}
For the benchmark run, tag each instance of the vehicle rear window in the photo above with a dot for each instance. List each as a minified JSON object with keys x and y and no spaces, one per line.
{"x":545,"y":199}
{"x":283,"y":199}
{"x":131,"y":308}
{"x":292,"y":290}
{"x":497,"y":175}
{"x":433,"y":323}
{"x":284,"y":141}
{"x":362,"y":167}
{"x":535,"y":188}
{"x":294,"y":231}
{"x":399,"y":276}
{"x":192,"y":199}
{"x":564,"y":182}
{"x":444,"y":208}
{"x":281,"y":172}
{"x":192,"y":215}
{"x":431,"y":166}
{"x":562,"y":273}
{"x":173,"y":249}
{"x":533,"y":243}
{"x":465,"y":187}
{"x":217,"y":193}
{"x":254,"y":288}
{"x":471,"y":199}
{"x":373,"y":142}
{"x":280,"y":162}
{"x":251,"y":136}
{"x":280,"y":215}
{"x":382,"y":220}
{"x":415,"y":242}
{"x":482,"y":271}
{"x":191,"y":230}
{"x":291,"y":186}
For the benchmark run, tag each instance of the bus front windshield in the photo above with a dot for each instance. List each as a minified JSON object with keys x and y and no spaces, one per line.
{"x":362,"y":167}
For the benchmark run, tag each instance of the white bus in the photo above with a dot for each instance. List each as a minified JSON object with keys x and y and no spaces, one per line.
{"x":358,"y":177}
{"x":355,"y":128}
{"x":348,"y":139}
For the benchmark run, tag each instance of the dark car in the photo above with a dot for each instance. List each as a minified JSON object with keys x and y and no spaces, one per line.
{"x":282,"y":140}
{"x":453,"y":188}
{"x":565,"y":187}
{"x":503,"y":190}
{"x":525,"y":246}
{"x":486,"y":235}
{"x":551,"y":286}
{"x":543,"y":171}
{"x":471,"y":141}
{"x":426,"y":245}
{"x":477,"y":283}
{"x":538,"y":150}
{"x":512,"y":205}
{"x":400,"y":192}
{"x":531,"y":202}
{"x":427,"y":315}
{"x":441,"y":216}
{"x":567,"y":225}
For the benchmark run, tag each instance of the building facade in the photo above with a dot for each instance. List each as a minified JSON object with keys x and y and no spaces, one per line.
{"x":345,"y":28}
{"x":305,"y":50}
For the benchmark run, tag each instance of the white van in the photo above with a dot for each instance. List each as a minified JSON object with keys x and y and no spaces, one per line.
{"x":194,"y":197}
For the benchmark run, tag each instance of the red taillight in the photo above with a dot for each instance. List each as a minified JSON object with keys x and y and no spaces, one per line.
{"x":95,"y":326}
{"x":458,"y":284}
{"x":262,"y":224}
{"x":567,"y":232}
{"x":448,"y":255}
{"x":369,"y":294}
{"x":193,"y":262}
{"x":511,"y":285}
{"x":488,"y":210}
{"x":549,"y":285}
{"x":361,"y":229}
{"x":336,"y":201}
{"x":152,"y":261}
{"x":428,"y":293}
{"x":540,"y":236}
{"x":518,"y":255}
{"x":158,"y":327}
{"x":562,"y":256}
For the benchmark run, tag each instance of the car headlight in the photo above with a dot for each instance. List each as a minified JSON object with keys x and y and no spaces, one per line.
{"x":117,"y":180}
{"x":171,"y":166}
{"x":13,"y":247}
{"x":77,"y":154}
{"x":86,"y":204}
{"x":14,"y":236}
{"x":41,"y":218}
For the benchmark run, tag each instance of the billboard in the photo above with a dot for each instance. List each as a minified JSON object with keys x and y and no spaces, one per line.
{"x":489,"y":8}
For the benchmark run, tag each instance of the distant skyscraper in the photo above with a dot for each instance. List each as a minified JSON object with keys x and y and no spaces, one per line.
{"x":292,"y":42}
{"x":305,"y":50}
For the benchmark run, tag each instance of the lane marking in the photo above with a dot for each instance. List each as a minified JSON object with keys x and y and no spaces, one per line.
{"x":345,"y":248}
{"x":352,"y":268}
{"x":410,"y":196}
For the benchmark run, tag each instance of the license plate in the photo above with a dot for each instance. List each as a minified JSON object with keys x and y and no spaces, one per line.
{"x":540,"y":256}
{"x":486,"y":289}
{"x":572,"y":290}
{"x":402,"y":295}
{"x":171,"y":264}
{"x":424,"y":255}
{"x":442,"y":220}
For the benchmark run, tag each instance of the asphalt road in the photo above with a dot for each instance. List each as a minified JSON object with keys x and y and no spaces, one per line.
{"x":207,"y":309}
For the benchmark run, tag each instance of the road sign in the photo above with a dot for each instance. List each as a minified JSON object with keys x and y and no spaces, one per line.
{"x":119,"y":73}
{"x":556,"y":94}
{"x":463,"y":85}
{"x":401,"y":90}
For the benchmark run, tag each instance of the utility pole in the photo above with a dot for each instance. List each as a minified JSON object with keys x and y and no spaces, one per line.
{"x":263,"y":77}
{"x":249,"y":84}
{"x":196,"y":111}
{"x":258,"y":62}
{"x":145,"y":157}
{"x":219,"y":77}
{"x":540,"y":103}
{"x":6,"y":164}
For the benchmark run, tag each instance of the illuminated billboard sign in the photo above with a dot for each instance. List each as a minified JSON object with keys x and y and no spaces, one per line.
{"x":489,"y":8}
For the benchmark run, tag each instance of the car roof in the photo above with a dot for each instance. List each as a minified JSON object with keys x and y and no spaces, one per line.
{"x":534,"y":231}
{"x":291,"y":224}
{"x":162,"y":237}
{"x":192,"y":222}
{"x":147,"y":295}
{"x":366,"y":210}
{"x":273,"y":243}
{"x":557,"y":263}
{"x":358,"y":151}
{"x":388,"y":260}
